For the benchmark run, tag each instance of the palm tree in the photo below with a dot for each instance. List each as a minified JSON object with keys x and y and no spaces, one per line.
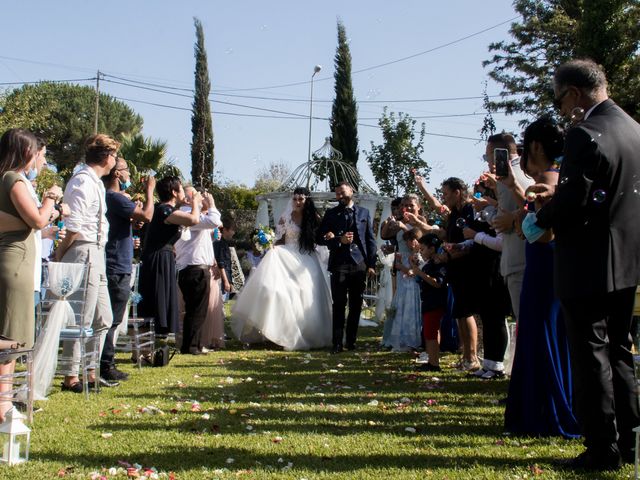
{"x":143,"y":154}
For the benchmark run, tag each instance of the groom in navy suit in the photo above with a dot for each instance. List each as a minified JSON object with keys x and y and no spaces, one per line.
{"x":348,"y":233}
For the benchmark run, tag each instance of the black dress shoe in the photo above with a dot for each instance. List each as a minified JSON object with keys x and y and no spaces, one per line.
{"x":113,"y":374}
{"x":336,"y":349}
{"x":350,"y":346}
{"x":587,"y":460}
{"x":75,"y":388}
{"x":104,"y":383}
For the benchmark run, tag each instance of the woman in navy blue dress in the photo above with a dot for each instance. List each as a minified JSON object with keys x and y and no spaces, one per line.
{"x":540,"y":392}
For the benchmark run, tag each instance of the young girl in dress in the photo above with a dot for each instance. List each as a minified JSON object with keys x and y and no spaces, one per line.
{"x":402,"y":330}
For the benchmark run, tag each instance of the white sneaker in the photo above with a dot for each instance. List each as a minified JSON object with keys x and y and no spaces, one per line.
{"x":422,"y":358}
{"x":489,"y":374}
{"x":480,"y":373}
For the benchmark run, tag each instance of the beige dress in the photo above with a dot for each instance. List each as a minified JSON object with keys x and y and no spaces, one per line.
{"x":17,"y":253}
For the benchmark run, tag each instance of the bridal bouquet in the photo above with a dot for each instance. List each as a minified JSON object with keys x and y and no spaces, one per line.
{"x":263,"y":238}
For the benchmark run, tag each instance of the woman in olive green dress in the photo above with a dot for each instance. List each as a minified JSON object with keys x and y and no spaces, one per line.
{"x":18,"y":151}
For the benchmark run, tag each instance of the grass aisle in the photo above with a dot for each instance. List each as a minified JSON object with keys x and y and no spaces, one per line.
{"x":265,"y":413}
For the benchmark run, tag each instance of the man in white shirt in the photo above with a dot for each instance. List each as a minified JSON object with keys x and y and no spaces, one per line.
{"x":87,"y":231}
{"x":194,"y":259}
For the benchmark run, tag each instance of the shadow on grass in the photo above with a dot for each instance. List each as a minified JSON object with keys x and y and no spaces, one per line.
{"x":177,"y":460}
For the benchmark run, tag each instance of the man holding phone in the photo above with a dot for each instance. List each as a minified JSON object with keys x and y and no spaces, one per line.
{"x":502,"y":157}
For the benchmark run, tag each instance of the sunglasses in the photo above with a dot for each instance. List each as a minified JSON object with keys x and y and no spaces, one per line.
{"x":557,"y":101}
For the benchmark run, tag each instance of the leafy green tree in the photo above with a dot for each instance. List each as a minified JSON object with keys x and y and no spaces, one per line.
{"x":63,"y":114}
{"x":271,"y":178}
{"x":202,"y":161}
{"x":554,"y":31}
{"x":394,"y":162}
{"x":233,"y":195}
{"x":344,"y":114}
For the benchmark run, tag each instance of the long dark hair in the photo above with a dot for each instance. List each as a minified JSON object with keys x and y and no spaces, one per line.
{"x":309,"y":224}
{"x":546,"y":132}
{"x":17,"y":148}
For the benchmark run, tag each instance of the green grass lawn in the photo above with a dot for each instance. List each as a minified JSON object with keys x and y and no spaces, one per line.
{"x":265,"y":413}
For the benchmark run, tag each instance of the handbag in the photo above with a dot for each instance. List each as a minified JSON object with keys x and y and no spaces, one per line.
{"x":160,"y":356}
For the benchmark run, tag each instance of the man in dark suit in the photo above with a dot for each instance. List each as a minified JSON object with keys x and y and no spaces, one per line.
{"x":348,"y":233}
{"x":594,"y":215}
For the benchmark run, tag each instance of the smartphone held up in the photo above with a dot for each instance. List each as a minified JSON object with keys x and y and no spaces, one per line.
{"x":501,"y":158}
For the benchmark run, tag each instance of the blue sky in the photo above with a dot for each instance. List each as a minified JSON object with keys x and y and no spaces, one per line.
{"x":253,"y":45}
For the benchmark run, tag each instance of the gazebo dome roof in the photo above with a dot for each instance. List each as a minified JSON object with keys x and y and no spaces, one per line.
{"x":325,"y":169}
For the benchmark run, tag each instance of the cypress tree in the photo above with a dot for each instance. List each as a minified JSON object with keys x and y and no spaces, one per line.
{"x":202,"y":161}
{"x":344,"y":114}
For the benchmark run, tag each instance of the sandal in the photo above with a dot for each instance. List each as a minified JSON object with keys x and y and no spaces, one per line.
{"x":8,"y":344}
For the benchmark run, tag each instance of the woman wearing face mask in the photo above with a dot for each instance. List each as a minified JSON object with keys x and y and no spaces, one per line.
{"x":18,"y":153}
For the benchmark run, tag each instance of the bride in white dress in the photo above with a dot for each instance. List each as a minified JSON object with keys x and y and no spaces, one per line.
{"x":287,"y":299}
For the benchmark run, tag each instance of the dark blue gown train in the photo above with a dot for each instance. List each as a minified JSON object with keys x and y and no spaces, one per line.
{"x":540,"y":398}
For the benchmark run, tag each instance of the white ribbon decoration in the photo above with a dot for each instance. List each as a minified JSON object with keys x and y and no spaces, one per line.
{"x":64,"y":280}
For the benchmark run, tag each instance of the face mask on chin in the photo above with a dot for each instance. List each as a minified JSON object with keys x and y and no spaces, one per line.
{"x":31,"y":174}
{"x":125,"y":185}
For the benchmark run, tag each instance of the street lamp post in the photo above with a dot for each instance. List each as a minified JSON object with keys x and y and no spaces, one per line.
{"x":316,"y":69}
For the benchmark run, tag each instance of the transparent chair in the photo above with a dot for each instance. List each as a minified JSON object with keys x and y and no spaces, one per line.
{"x":140,"y":336}
{"x":61,"y":313}
{"x":21,"y":380}
{"x":369,"y":301}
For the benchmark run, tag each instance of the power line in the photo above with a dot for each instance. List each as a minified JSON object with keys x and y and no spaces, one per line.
{"x":50,"y":81}
{"x":49,"y":64}
{"x":214,"y":101}
{"x":424,"y":52}
{"x":430,"y":133}
{"x":306,"y":82}
{"x":306,"y":100}
{"x":439,"y":47}
{"x":281,"y":117}
{"x":216,"y":112}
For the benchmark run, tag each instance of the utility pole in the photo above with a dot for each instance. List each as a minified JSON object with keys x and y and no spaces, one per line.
{"x":95,"y":124}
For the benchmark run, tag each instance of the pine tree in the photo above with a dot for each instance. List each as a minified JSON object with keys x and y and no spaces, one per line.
{"x":554,"y":31}
{"x":202,"y":161}
{"x":344,"y":114}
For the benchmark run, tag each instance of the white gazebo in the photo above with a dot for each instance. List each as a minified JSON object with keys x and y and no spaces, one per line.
{"x":319,"y":174}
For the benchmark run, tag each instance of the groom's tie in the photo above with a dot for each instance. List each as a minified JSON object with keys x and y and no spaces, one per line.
{"x":354,"y":250}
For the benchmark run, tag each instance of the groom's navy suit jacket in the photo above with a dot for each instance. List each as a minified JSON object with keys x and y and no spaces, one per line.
{"x":336,"y":220}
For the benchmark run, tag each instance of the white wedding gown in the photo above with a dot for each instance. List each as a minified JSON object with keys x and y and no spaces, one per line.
{"x":287,"y":299}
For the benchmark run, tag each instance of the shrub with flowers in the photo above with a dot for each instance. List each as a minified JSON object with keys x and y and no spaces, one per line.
{"x":263,"y":238}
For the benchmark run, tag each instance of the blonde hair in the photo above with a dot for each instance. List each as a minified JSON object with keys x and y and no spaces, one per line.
{"x":98,"y":146}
